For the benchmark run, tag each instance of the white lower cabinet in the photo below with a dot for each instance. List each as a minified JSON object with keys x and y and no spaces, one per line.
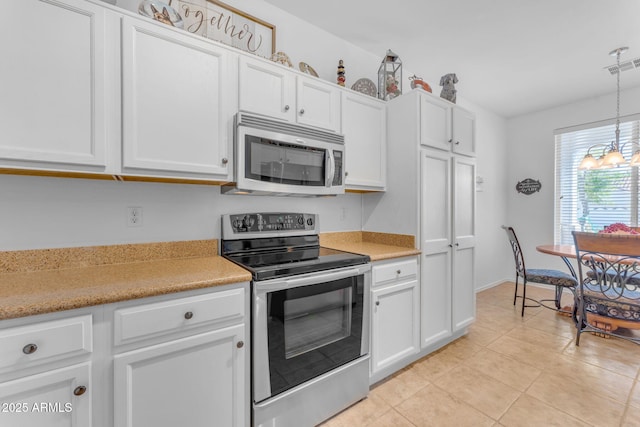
{"x":194,"y":381}
{"x":57,"y":398}
{"x":395,"y":313}
{"x":448,"y":245}
{"x":45,"y":371}
{"x":182,"y":361}
{"x":165,"y":361}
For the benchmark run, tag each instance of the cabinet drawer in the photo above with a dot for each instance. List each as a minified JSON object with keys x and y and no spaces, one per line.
{"x":30,"y":345}
{"x":398,"y":270}
{"x":149,"y":320}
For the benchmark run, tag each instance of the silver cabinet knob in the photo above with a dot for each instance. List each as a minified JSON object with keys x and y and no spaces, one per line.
{"x":240,"y":344}
{"x":225,"y":160}
{"x":450,"y":140}
{"x":188,"y":315}
{"x":286,"y":108}
{"x":457,"y":142}
{"x":80,"y":390}
{"x":377,"y":302}
{"x":29,"y":349}
{"x":301,"y":111}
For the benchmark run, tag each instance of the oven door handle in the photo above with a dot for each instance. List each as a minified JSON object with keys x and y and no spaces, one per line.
{"x":313,"y":279}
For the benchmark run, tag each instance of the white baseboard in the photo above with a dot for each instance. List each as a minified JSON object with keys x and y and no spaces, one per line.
{"x":491,"y":285}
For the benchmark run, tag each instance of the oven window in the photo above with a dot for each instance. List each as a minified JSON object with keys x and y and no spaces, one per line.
{"x":282,"y":163}
{"x":317,"y":320}
{"x":312,"y":330}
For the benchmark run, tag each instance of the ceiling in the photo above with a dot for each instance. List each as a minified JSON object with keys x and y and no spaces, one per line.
{"x":511,"y":56}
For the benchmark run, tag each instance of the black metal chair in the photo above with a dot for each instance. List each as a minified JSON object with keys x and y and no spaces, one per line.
{"x":608,"y":296}
{"x":560,"y":280}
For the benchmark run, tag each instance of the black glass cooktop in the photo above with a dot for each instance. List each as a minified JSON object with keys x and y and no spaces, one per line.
{"x":265,"y":261}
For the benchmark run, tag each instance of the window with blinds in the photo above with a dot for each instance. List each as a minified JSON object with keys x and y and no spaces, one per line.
{"x":589,"y":200}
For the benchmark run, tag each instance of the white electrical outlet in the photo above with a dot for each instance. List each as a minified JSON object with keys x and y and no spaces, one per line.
{"x":134,"y":216}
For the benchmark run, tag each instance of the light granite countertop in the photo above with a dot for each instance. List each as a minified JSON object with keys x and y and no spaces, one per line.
{"x":378,"y":246}
{"x":75,"y":282}
{"x":49,"y":280}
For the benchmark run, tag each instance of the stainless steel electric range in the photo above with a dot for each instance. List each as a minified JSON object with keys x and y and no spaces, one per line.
{"x":309,"y":318}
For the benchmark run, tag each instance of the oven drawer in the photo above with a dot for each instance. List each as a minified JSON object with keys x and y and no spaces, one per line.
{"x":31,"y":345}
{"x":151,"y":320}
{"x":394,"y":271}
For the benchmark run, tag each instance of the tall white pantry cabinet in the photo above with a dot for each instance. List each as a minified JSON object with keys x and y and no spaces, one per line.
{"x":431,"y":194}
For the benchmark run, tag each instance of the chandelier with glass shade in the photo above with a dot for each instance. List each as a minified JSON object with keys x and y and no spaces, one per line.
{"x":612,"y":152}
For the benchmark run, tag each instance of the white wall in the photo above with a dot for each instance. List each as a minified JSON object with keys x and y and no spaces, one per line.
{"x":530,"y":154}
{"x":38,"y":212}
{"x":491,"y":198}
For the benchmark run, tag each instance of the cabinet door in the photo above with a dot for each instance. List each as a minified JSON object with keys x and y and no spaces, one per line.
{"x":464,"y":241}
{"x":318,"y":104}
{"x":178,"y":102}
{"x":435,"y":123}
{"x":51,"y":399}
{"x":197,"y":381}
{"x":266,"y":89}
{"x":464,"y":130}
{"x":395,"y":325}
{"x":364,"y":128}
{"x":435,"y":281}
{"x":52,"y":97}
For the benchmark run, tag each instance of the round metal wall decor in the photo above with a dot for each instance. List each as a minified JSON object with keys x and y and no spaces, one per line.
{"x":528,"y":186}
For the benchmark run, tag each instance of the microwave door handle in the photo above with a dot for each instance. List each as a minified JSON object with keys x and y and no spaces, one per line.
{"x":331,"y":167}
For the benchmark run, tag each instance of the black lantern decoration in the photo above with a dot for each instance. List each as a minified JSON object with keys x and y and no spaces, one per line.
{"x":390,"y":77}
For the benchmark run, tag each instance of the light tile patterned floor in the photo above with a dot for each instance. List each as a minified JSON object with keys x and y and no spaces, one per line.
{"x":510,"y":371}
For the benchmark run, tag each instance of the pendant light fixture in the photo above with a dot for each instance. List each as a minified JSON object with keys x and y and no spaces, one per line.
{"x":612,"y":152}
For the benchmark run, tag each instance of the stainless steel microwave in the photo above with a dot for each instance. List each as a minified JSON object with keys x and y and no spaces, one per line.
{"x":279,"y":158}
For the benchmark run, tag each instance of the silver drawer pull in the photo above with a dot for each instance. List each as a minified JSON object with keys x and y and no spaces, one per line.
{"x":29,"y":349}
{"x":188,"y":315}
{"x":80,"y":390}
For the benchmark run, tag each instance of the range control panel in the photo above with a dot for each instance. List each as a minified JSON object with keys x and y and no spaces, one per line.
{"x":271,"y":222}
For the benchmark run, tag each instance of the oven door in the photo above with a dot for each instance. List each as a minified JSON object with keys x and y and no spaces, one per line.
{"x":307,"y":325}
{"x":272,"y":162}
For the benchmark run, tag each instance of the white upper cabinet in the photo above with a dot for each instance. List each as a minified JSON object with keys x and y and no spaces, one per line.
{"x":446,"y":126}
{"x":464,"y":131}
{"x":53,"y":109}
{"x":178,"y":103}
{"x":266,"y":89}
{"x":435,"y":122}
{"x":318,"y":103}
{"x":364,"y":128}
{"x":272,"y":90}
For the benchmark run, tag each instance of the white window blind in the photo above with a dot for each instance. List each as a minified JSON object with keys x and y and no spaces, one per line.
{"x":589,"y":200}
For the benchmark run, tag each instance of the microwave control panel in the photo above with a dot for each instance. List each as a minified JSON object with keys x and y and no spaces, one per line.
{"x":270,"y":222}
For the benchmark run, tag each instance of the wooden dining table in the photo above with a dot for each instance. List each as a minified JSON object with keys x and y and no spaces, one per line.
{"x":563,"y":251}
